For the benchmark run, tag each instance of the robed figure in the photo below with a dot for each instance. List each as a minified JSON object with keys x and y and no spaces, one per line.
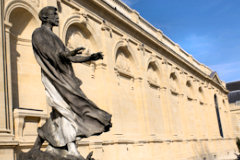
{"x":73,"y":115}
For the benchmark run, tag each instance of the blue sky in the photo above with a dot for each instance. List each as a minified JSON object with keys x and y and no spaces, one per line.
{"x":207,"y":29}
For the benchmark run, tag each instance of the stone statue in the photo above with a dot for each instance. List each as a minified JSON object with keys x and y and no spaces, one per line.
{"x":73,"y":115}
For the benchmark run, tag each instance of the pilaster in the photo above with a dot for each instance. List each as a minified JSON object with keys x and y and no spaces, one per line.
{"x":8,"y":77}
{"x":5,"y":98}
{"x":102,"y":69}
{"x":2,"y":81}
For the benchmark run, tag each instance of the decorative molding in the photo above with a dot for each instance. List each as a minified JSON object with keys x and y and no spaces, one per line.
{"x":19,"y":4}
{"x":71,"y":4}
{"x":153,"y":84}
{"x":174,"y":92}
{"x":101,"y":66}
{"x":141,"y":47}
{"x":106,"y":27}
{"x":4,"y":130}
{"x":76,"y":18}
{"x":124,"y":73}
{"x":36,"y":3}
{"x":19,"y":120}
{"x":190,"y":98}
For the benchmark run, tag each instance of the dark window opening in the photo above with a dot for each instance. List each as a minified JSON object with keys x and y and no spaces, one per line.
{"x":218,"y":116}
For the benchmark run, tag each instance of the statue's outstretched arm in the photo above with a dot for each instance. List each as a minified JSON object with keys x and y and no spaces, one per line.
{"x":74,"y":52}
{"x":81,"y":59}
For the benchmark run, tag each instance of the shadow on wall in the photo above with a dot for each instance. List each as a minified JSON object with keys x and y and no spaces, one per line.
{"x":23,"y":24}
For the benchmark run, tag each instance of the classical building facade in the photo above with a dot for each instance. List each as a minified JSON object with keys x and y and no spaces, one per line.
{"x":234,"y":103}
{"x":165,"y":104}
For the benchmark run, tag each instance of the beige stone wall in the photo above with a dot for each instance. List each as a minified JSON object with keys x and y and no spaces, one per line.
{"x":161,"y":99}
{"x":235,"y":117}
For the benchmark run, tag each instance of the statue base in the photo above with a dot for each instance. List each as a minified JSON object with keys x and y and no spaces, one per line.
{"x":40,"y":155}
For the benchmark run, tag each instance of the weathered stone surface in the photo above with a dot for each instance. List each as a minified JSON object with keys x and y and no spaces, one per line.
{"x":142,"y":82}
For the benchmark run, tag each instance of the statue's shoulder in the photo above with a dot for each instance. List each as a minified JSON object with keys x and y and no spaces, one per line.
{"x":39,"y":34}
{"x":37,"y":31}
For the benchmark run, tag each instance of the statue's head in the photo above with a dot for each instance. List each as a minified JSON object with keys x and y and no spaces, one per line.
{"x":49,"y":15}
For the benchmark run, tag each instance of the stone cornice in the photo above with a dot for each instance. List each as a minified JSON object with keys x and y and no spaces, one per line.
{"x":134,"y":16}
{"x":6,"y":144}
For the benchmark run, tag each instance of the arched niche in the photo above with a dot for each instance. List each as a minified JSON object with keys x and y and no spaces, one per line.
{"x":124,"y":61}
{"x":189,"y":89}
{"x":78,"y":35}
{"x":154,"y":112}
{"x":153,"y":74}
{"x":77,"y":32}
{"x":190,"y":109}
{"x":201,"y":94}
{"x":174,"y":82}
{"x":125,"y":105}
{"x":12,"y":5}
{"x":175,"y":99}
{"x":23,"y":24}
{"x":224,"y":103}
{"x":25,"y":72}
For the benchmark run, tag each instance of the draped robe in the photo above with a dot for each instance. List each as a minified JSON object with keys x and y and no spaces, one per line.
{"x":73,"y":114}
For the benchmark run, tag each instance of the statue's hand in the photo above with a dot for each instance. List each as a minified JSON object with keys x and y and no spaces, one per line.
{"x":79,"y":50}
{"x":96,"y":56}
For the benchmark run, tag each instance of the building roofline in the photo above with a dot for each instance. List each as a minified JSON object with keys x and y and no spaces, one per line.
{"x":156,"y":36}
